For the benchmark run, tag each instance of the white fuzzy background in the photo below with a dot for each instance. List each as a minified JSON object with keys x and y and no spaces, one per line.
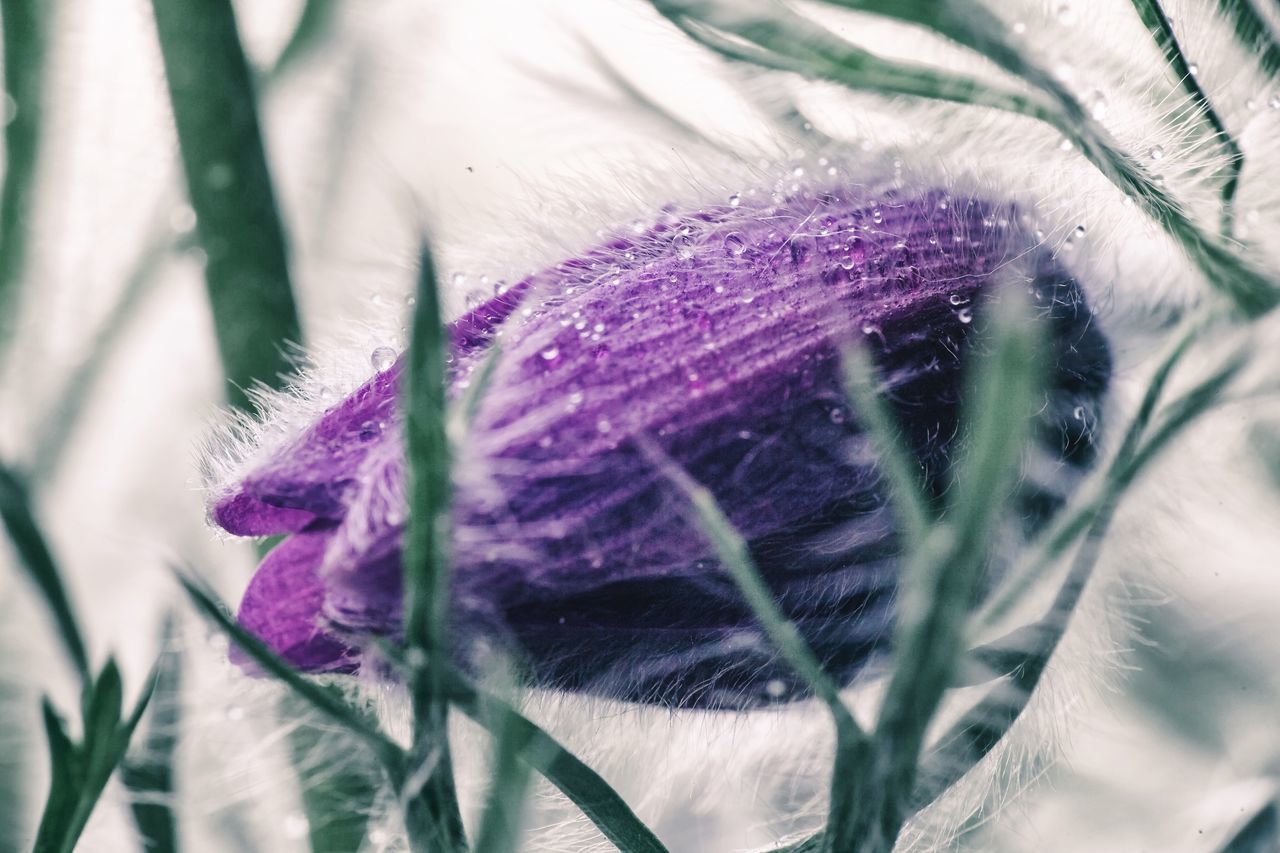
{"x":494,"y":118}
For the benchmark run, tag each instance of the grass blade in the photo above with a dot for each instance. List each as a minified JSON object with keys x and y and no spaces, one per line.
{"x":1161,"y":29}
{"x":847,"y":776}
{"x":33,"y":551}
{"x":509,"y":779}
{"x":81,"y":772}
{"x":432,"y":813}
{"x":314,"y":24}
{"x":148,"y":774}
{"x":24,"y":25}
{"x":229,"y":185}
{"x":772,"y":36}
{"x":313,"y":694}
{"x":582,"y":785}
{"x":940,"y":580}
{"x":1260,"y":834}
{"x":895,"y":460}
{"x":340,"y":783}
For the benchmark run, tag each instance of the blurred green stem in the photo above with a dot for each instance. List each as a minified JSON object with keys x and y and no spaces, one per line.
{"x":230,"y":188}
{"x":24,"y":24}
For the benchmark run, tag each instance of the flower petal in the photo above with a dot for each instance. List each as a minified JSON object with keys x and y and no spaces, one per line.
{"x":282,"y":607}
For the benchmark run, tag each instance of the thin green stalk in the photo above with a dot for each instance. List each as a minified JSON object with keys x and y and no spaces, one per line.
{"x":80,"y":771}
{"x":340,"y":783}
{"x":37,"y":559}
{"x":148,"y":774}
{"x":313,"y":694}
{"x":24,"y":26}
{"x":1254,"y":34}
{"x":229,"y":185}
{"x":509,"y":778}
{"x":852,"y":745}
{"x":978,"y":731}
{"x":1161,"y":29}
{"x":584,"y":787}
{"x":940,"y":580}
{"x":902,"y":471}
{"x":314,"y":23}
{"x":431,"y":803}
{"x":1065,"y":530}
{"x":780,"y":39}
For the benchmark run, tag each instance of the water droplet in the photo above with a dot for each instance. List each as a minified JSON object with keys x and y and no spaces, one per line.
{"x":1193,"y":69}
{"x":1274,"y":102}
{"x":1078,"y":232}
{"x":1078,"y":413}
{"x":877,"y":216}
{"x":837,"y":415}
{"x":965,"y":315}
{"x":411,"y":300}
{"x":869,"y":328}
{"x":957,"y":299}
{"x":734,"y":244}
{"x":735,"y":199}
{"x":182,"y":219}
{"x":684,"y":247}
{"x":296,"y":825}
{"x":748,"y":298}
{"x":550,"y":354}
{"x":798,"y":171}
{"x":459,"y":279}
{"x":1019,"y":27}
{"x":1098,"y":105}
{"x":1156,"y":152}
{"x":603,"y":425}
{"x":219,"y":176}
{"x":382,"y":358}
{"x":776,"y":688}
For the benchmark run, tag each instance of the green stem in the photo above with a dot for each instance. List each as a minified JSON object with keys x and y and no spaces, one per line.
{"x":229,"y":185}
{"x":1161,"y":29}
{"x":24,"y":24}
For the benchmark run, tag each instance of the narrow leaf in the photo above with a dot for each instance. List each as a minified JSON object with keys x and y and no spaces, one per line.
{"x":582,"y":785}
{"x":229,"y":185}
{"x":315,"y":695}
{"x":33,"y":551}
{"x":24,"y":25}
{"x":148,"y":770}
{"x":432,"y":815}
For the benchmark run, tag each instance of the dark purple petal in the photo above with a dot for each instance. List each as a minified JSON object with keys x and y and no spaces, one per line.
{"x":282,"y":607}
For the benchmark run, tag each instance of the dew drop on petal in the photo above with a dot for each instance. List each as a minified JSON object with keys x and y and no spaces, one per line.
{"x":550,"y":354}
{"x":1156,"y":152}
{"x":965,"y":315}
{"x":382,"y":358}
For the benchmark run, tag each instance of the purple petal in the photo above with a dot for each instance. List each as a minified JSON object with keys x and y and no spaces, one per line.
{"x":282,"y":607}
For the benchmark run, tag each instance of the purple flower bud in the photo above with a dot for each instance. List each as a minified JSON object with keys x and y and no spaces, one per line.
{"x":717,"y":336}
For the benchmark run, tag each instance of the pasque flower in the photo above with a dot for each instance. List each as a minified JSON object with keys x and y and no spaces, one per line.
{"x":715,"y":335}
